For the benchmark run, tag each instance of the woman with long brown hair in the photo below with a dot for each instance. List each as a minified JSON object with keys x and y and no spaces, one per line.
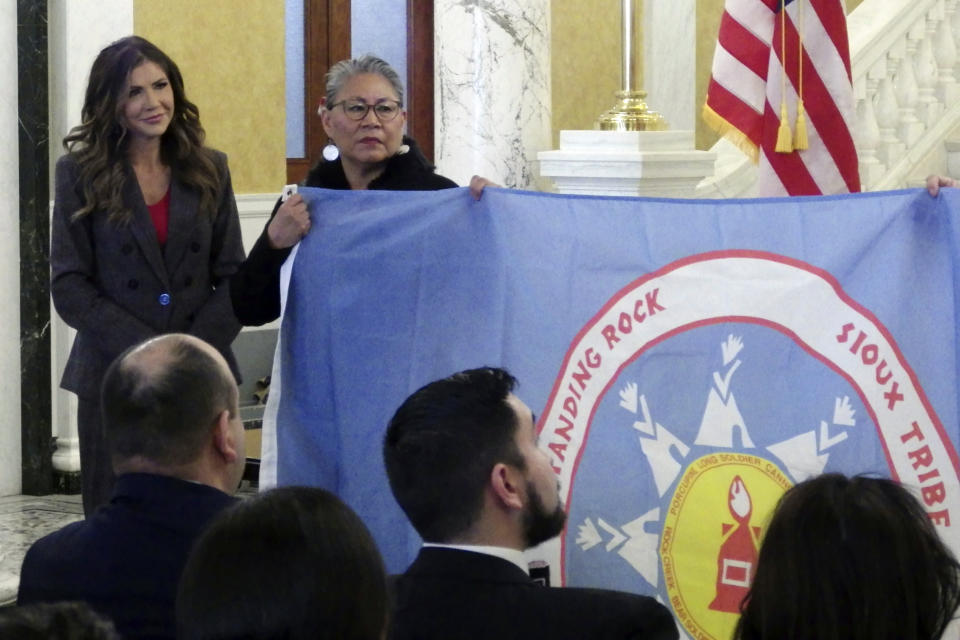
{"x":145,"y":232}
{"x":851,"y":559}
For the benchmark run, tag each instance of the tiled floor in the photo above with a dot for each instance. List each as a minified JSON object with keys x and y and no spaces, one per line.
{"x":24,"y":519}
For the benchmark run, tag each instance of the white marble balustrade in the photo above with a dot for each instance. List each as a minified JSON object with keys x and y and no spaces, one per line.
{"x":904,"y":66}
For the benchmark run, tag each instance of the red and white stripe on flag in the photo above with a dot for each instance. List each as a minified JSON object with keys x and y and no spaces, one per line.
{"x":745,"y":90}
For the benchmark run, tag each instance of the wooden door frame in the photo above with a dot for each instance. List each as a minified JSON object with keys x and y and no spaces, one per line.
{"x":326,"y":40}
{"x":420,"y":69}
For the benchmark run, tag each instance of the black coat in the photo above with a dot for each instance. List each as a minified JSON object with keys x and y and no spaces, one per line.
{"x":126,"y":559}
{"x":117,"y":287}
{"x":448,"y":594}
{"x":255,"y":289}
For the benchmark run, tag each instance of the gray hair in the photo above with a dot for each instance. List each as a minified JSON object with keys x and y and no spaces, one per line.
{"x":341,"y":72}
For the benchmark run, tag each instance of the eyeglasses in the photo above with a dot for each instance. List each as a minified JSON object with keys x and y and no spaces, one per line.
{"x":386,"y":110}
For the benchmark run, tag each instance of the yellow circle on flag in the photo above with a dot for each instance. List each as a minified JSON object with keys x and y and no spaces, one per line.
{"x":711,"y":535}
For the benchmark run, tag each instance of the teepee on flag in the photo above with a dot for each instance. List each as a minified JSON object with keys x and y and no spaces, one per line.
{"x":797,"y":125}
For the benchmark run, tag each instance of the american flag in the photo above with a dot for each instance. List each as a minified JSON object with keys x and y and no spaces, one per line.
{"x":758,"y":39}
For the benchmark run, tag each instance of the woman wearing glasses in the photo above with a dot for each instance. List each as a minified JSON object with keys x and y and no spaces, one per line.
{"x":364,"y":118}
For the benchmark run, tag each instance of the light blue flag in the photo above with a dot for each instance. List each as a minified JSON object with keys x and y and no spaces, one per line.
{"x":689,"y":361}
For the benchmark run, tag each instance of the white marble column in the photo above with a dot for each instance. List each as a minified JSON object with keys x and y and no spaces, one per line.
{"x":79,"y":29}
{"x":9,"y":256}
{"x":492,"y":89}
{"x":669,"y":60}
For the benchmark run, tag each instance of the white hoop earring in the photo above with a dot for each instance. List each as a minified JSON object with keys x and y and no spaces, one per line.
{"x":330,"y":152}
{"x":402,"y":149}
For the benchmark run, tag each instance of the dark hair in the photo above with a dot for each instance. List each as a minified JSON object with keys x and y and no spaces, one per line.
{"x":850,"y":558}
{"x":441,"y":445}
{"x":55,"y":621}
{"x":340,"y":73}
{"x":160,"y":399}
{"x":293,"y":563}
{"x":100,"y":140}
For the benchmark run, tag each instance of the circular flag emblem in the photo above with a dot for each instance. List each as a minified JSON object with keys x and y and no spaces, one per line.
{"x":700,"y":393}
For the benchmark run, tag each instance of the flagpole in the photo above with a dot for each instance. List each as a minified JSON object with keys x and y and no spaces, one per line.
{"x":630,"y":113}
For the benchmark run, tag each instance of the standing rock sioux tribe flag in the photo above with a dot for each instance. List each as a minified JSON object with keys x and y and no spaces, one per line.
{"x":688,"y":361}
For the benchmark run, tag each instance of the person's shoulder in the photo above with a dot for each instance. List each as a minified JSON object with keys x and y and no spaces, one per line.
{"x":412,"y":170}
{"x":68,"y":166}
{"x":219,"y":158}
{"x":411,"y":174}
{"x":57,"y":544}
{"x":70,"y":159}
{"x":214,"y":154}
{"x":617,"y":614}
{"x":326,"y":174}
{"x":435,"y":182}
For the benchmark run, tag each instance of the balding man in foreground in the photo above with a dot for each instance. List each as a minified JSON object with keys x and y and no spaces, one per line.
{"x":172,"y":424}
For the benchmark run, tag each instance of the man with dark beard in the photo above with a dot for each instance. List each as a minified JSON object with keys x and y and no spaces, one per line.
{"x":462,"y":458}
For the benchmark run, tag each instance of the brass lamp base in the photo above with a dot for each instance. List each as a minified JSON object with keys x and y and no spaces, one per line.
{"x":631,"y":114}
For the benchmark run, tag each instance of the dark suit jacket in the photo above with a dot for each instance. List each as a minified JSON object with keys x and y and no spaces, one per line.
{"x":458,"y":595}
{"x":110,"y":282}
{"x":127,"y":558}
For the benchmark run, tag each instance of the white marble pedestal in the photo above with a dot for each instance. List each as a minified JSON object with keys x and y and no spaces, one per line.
{"x":627,"y":163}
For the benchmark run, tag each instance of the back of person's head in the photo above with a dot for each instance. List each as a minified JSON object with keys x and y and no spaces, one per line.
{"x":442,"y":444}
{"x":55,"y":621}
{"x":850,"y":558}
{"x":294,"y":563}
{"x":160,"y":399}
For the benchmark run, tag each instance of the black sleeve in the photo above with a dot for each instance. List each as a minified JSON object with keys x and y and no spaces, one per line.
{"x":255,"y":288}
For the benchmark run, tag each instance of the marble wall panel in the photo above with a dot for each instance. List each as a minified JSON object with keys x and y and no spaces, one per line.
{"x":492,"y":89}
{"x":670,"y":61}
{"x":78,"y":30}
{"x":9,"y":256}
{"x":34,"y":263}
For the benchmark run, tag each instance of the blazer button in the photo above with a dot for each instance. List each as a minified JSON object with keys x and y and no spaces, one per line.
{"x":132,"y":283}
{"x":126,"y":249}
{"x":164,"y":299}
{"x":188,"y":281}
{"x":195,"y":247}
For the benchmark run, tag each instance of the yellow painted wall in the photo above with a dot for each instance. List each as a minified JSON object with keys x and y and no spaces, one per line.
{"x":708,"y":25}
{"x":231,"y":54}
{"x":585,"y":71}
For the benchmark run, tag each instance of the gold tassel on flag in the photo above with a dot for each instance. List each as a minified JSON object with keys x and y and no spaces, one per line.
{"x":800,"y":141}
{"x":784,"y":142}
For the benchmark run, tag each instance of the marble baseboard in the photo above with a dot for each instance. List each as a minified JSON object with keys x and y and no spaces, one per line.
{"x":67,"y":482}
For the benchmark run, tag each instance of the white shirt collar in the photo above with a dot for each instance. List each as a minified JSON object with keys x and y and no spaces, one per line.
{"x":512,"y":556}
